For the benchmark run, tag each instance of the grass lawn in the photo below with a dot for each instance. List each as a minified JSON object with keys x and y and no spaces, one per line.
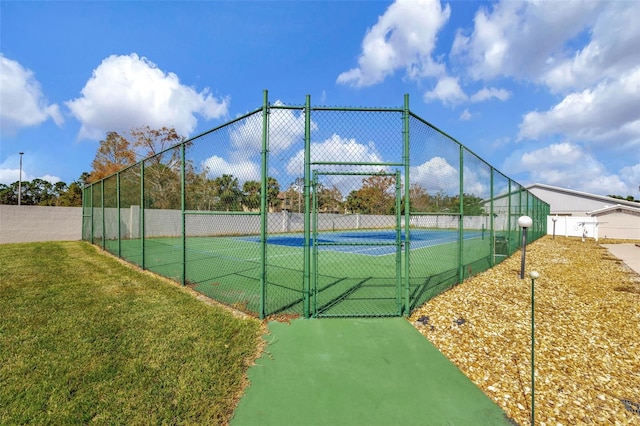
{"x":85,"y":338}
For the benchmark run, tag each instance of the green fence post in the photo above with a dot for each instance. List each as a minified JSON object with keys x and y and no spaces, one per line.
{"x":102,"y":207}
{"x":92,"y":230}
{"x":142,"y":248}
{"x":263,"y":204}
{"x":398,"y":194}
{"x":119,"y":221}
{"x":314,"y":251}
{"x":492,"y":235}
{"x":183,"y":205}
{"x":461,"y":219}
{"x":520,"y":213}
{"x":407,"y":205}
{"x":509,"y":252}
{"x":307,"y":213}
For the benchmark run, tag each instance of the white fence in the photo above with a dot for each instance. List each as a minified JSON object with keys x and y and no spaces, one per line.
{"x":168,"y":223}
{"x":573,"y":226}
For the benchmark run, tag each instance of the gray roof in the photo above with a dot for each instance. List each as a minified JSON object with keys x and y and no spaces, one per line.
{"x":601,"y":198}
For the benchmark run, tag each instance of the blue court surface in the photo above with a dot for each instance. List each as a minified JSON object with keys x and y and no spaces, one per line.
{"x":369,"y":242}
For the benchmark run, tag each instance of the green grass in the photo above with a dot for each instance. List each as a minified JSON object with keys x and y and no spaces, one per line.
{"x":85,"y":338}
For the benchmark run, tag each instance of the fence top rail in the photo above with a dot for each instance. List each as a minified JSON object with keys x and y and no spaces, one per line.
{"x":318,"y":172}
{"x":340,"y":163}
{"x":337,"y":108}
{"x":219,"y":213}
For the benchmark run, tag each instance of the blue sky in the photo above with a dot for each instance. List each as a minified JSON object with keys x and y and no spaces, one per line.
{"x":546,"y":92}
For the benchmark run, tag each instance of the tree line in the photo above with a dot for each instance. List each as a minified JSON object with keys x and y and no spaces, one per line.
{"x":163,"y":169}
{"x":40,"y":192}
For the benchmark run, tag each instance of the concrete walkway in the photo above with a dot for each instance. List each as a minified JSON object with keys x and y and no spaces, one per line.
{"x":374,"y":371}
{"x":628,"y":253}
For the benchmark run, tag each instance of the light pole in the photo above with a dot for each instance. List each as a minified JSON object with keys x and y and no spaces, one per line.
{"x":554,"y":226}
{"x":524,"y":222}
{"x":533,"y":275}
{"x":20,"y":181}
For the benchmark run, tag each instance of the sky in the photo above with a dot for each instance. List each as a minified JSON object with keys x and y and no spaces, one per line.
{"x":545,"y":91}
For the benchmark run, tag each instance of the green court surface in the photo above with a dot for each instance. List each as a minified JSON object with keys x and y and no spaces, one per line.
{"x":375,"y":371}
{"x":348,"y":278}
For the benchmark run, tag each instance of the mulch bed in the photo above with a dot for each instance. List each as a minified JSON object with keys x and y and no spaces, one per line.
{"x":587,"y":334}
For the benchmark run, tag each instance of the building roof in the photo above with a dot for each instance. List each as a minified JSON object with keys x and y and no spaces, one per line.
{"x":601,"y":198}
{"x":605,"y":210}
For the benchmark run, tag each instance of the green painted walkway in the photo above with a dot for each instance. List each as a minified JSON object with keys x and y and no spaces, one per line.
{"x":359,"y":372}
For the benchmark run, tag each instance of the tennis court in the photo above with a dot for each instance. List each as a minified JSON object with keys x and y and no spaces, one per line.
{"x":353,"y":271}
{"x":333,"y":211}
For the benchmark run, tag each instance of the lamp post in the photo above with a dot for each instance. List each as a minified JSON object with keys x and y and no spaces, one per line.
{"x":20,"y":181}
{"x":533,"y":275}
{"x":524,"y":222}
{"x":554,"y":226}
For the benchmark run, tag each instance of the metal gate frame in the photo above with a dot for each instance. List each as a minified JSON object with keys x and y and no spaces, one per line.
{"x":315,"y":243}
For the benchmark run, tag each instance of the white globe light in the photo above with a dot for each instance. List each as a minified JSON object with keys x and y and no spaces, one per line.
{"x":525,"y":221}
{"x":534,"y":274}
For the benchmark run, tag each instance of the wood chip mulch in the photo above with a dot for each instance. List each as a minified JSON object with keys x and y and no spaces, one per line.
{"x":587,"y":334}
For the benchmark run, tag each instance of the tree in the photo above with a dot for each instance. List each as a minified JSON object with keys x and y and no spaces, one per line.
{"x":419,"y":198}
{"x":329,"y":199}
{"x":114,"y":153}
{"x":627,"y":198}
{"x":199,"y":191}
{"x":43,"y":193}
{"x":162,"y":186}
{"x":273,"y":190}
{"x":251,"y":195}
{"x":227,"y":192}
{"x":150,"y":142}
{"x":9,"y":193}
{"x":377,"y":195}
{"x":72,"y":197}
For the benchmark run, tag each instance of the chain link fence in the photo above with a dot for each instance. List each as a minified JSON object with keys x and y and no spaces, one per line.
{"x":313,"y":211}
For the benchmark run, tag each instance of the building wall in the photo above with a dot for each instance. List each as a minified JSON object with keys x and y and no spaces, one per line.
{"x":23,"y":224}
{"x":615,"y":223}
{"x":619,"y":224}
{"x":573,"y":203}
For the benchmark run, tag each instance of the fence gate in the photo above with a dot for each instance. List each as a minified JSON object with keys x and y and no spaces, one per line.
{"x":356,"y":259}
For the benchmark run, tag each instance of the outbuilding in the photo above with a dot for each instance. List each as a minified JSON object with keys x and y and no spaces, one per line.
{"x":577,"y":213}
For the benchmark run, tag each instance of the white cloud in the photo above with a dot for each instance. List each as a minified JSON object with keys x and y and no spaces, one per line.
{"x":8,"y":176}
{"x":436,"y":175}
{"x":404,"y":37}
{"x":126,"y":92}
{"x":611,"y":50}
{"x":486,"y":94}
{"x":448,"y":91}
{"x":522,"y":39}
{"x":244,"y":170}
{"x":335,"y":149}
{"x":22,"y":103}
{"x":607,"y":114}
{"x":567,"y":165}
{"x":631,"y":177}
{"x":10,"y":172}
{"x":466,"y":115}
{"x":286,"y":127}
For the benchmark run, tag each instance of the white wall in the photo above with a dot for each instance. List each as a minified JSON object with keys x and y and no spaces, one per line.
{"x":574,"y":226}
{"x":23,"y":224}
